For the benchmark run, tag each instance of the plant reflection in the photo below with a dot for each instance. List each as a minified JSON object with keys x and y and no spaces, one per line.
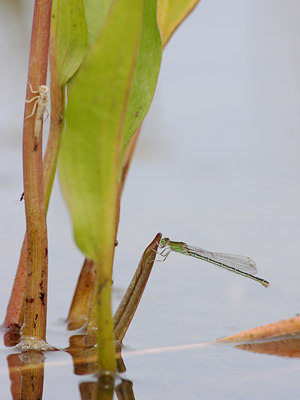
{"x":85,"y":362}
{"x":284,"y":347}
{"x":12,"y":336}
{"x":26,"y":372}
{"x":95,"y":390}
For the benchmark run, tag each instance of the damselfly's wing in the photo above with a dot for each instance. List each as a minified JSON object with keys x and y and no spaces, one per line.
{"x":243,"y":263}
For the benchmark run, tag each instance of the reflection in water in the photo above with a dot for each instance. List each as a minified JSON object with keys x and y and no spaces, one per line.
{"x":101,"y":390}
{"x":84,"y":357}
{"x":12,"y":336}
{"x":96,"y":390}
{"x":13,"y":361}
{"x":26,"y":372}
{"x":85,"y":362}
{"x":285,"y":347}
{"x":88,"y":390}
{"x":124,"y":390}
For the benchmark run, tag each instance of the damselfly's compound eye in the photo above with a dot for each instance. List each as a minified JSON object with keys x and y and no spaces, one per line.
{"x":164,"y":241}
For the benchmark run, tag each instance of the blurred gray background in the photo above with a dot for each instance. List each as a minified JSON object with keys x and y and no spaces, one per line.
{"x":217,"y":166}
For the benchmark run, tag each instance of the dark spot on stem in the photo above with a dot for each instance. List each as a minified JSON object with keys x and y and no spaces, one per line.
{"x":101,"y":286}
{"x":46,"y":251}
{"x":36,"y":317}
{"x":14,"y":327}
{"x":42,"y":297}
{"x":27,"y":300}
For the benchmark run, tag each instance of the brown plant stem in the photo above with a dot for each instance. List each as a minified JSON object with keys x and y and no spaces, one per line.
{"x":81,"y":303}
{"x":132,"y":297}
{"x":15,"y":309}
{"x":276,"y":329}
{"x":34,"y":328}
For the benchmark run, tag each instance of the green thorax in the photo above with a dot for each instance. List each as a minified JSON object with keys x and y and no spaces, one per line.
{"x":179,"y":247}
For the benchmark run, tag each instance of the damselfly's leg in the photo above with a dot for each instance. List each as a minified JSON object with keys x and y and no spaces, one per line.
{"x":164,"y":253}
{"x":32,"y":91}
{"x":34,"y":107}
{"x":159,"y":253}
{"x":31,"y":100}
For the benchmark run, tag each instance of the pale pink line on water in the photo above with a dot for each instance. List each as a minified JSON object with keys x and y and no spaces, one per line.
{"x":169,"y":349}
{"x":129,"y":353}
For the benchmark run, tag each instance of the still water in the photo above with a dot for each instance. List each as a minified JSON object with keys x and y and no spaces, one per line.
{"x":217,"y":166}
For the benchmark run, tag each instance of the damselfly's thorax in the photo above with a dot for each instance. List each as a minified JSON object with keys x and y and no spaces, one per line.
{"x":44,"y":92}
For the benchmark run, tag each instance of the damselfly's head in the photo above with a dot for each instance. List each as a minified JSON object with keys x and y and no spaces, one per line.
{"x":43,"y":90}
{"x":164,"y":242}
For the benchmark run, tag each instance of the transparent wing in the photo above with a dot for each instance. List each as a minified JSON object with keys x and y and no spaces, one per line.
{"x":243,"y":263}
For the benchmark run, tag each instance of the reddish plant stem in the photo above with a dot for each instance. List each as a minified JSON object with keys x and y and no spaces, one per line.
{"x":284,"y":327}
{"x":15,"y":309}
{"x":133,"y":295}
{"x":80,"y":307}
{"x":36,"y":228}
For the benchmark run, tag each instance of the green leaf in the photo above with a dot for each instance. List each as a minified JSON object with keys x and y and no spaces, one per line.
{"x":91,"y":143}
{"x":95,"y":11}
{"x":146,"y":72}
{"x":69,"y":26}
{"x":170,"y":14}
